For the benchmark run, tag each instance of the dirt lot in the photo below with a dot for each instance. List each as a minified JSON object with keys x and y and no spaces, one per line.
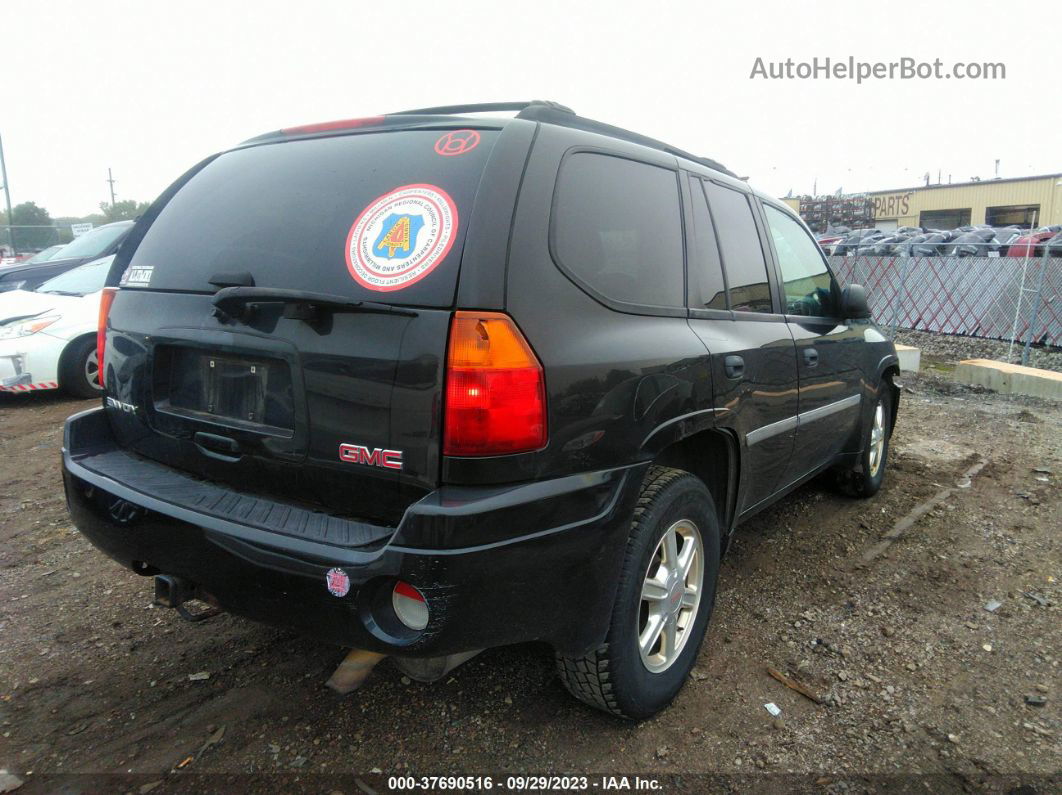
{"x":916,"y":675}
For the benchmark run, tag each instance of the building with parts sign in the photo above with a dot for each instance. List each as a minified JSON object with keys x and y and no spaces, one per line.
{"x":1022,"y":201}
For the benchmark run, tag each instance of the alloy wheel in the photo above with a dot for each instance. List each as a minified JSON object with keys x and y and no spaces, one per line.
{"x":877,"y":439}
{"x":671,"y":596}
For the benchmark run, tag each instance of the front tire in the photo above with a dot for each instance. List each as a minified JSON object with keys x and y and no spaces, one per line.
{"x":865,"y":478}
{"x":79,"y":369}
{"x":663,"y":601}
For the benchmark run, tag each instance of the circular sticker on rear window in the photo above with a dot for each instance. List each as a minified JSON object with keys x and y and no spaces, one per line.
{"x":399,"y":239}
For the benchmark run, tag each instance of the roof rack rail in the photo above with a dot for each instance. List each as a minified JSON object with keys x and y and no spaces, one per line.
{"x":482,"y":107}
{"x":563,"y":116}
{"x":545,"y":111}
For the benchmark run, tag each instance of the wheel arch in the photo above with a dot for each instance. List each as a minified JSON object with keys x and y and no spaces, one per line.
{"x":68,"y":351}
{"x":712,"y":456}
{"x":888,"y":371}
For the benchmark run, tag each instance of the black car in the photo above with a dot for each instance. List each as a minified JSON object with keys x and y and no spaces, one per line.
{"x":858,"y":242}
{"x":432,"y":383}
{"x":100,"y":242}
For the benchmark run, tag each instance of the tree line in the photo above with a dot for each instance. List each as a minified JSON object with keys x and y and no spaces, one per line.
{"x":39,"y":230}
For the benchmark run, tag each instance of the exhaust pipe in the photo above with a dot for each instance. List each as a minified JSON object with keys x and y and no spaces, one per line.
{"x":354,"y":670}
{"x":432,"y":669}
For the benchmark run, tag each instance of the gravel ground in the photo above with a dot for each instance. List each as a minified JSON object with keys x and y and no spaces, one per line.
{"x":953,"y":348}
{"x":923,"y":682}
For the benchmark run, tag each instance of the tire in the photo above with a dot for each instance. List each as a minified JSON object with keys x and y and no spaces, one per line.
{"x":78,"y":363}
{"x":614,"y":677}
{"x":865,"y":478}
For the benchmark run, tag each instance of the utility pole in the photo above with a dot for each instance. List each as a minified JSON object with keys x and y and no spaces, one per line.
{"x":7,"y":197}
{"x":110,"y":179}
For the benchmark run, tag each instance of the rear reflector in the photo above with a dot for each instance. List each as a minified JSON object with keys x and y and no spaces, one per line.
{"x":495,"y":388}
{"x":106,"y":299}
{"x":409,"y":605}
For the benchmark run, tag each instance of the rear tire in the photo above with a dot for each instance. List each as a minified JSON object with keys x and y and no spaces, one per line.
{"x":663,"y":601}
{"x":865,"y":478}
{"x":79,"y":369}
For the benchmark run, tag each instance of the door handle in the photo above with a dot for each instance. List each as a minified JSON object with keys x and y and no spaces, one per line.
{"x":734,"y":366}
{"x":220,"y":447}
{"x":811,"y":357}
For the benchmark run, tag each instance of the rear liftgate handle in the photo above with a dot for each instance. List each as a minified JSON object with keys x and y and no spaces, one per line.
{"x":220,"y":447}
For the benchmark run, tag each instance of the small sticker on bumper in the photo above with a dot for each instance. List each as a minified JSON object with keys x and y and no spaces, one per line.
{"x":338,"y":582}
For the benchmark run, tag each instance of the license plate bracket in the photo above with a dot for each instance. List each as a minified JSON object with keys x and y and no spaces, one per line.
{"x":236,"y":388}
{"x":248,"y":392}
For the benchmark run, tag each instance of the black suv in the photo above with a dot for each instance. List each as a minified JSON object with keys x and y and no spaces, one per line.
{"x":427,"y":383}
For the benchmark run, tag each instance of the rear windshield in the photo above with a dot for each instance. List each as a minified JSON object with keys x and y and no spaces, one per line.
{"x":94,"y":243}
{"x":82,"y":280}
{"x":375,"y":216}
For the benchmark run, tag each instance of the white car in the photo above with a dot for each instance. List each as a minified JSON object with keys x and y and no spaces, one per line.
{"x":48,"y":335}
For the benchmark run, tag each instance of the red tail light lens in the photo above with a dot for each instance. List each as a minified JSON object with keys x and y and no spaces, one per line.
{"x":495,"y":388}
{"x":106,"y":299}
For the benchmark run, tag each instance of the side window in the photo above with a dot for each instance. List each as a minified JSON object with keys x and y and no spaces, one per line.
{"x":707,"y":288}
{"x":618,"y":229}
{"x":739,"y":243}
{"x":806,"y":279}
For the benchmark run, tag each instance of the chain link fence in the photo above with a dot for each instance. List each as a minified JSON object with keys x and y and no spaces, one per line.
{"x":1004,"y":298}
{"x":22,"y":238}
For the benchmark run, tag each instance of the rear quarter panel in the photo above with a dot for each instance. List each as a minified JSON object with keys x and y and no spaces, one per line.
{"x":612,"y":378}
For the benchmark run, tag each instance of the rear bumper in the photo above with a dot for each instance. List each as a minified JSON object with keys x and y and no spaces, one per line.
{"x":534,"y":561}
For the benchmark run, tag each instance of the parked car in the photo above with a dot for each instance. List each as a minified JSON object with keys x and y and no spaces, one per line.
{"x":858,"y":239}
{"x":975,"y":243}
{"x":827,"y":243}
{"x":48,"y":335}
{"x":100,"y":242}
{"x":931,"y":245}
{"x":41,"y":256}
{"x":314,"y":423}
{"x":1027,"y":244}
{"x":831,"y":237}
{"x":886,"y":246}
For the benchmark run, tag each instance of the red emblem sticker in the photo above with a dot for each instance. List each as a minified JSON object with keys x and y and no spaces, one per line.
{"x":457,"y":142}
{"x":400,"y":237}
{"x":338,"y":582}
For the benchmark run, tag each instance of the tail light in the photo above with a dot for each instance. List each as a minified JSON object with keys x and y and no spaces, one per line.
{"x":106,"y":299}
{"x":495,"y":388}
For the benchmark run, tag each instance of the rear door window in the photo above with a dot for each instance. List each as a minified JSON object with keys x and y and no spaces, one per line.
{"x":739,"y":243}
{"x":707,"y":286}
{"x":374,"y":216}
{"x":617,"y":229}
{"x":806,"y":280}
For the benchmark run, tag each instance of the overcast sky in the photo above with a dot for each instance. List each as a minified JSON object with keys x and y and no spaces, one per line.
{"x":149,"y":88}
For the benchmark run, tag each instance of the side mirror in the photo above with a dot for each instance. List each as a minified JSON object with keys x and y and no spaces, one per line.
{"x":854,"y":302}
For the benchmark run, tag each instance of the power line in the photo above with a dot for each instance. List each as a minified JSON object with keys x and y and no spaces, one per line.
{"x":7,"y":195}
